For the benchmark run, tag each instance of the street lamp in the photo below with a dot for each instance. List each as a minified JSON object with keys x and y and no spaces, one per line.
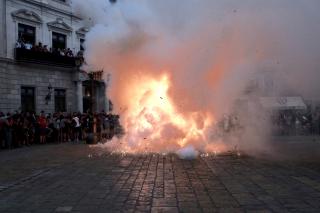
{"x":48,"y":96}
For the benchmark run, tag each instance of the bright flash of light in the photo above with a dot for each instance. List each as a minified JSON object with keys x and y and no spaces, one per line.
{"x":153,"y":123}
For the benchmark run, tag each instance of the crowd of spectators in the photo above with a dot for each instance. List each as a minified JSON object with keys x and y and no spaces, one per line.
{"x":21,"y":44}
{"x":26,"y":129}
{"x":229,"y":123}
{"x":296,"y":122}
{"x":282,"y":123}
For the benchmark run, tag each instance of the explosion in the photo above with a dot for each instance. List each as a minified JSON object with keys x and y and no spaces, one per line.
{"x":154,"y":123}
{"x":180,"y":68}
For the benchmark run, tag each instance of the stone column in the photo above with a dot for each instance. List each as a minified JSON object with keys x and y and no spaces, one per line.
{"x":103,"y":97}
{"x":106,"y":96}
{"x":79,"y":97}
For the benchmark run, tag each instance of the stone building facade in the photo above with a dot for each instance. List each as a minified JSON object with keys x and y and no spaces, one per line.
{"x":43,"y":84}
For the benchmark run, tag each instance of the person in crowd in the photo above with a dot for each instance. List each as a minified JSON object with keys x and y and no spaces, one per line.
{"x":56,"y":127}
{"x":76,"y":126}
{"x":42,"y":121}
{"x":80,"y":54}
{"x":8,"y":123}
{"x":28,"y":45}
{"x":38,"y":48}
{"x":2,"y":133}
{"x":20,"y":43}
{"x":45,"y":49}
{"x":62,"y":52}
{"x":26,"y":132}
{"x":63,"y":121}
{"x":106,"y":126}
{"x":17,"y":130}
{"x":68,"y":128}
{"x":69,"y":52}
{"x":50,"y":129}
{"x":85,"y":125}
{"x":28,"y":128}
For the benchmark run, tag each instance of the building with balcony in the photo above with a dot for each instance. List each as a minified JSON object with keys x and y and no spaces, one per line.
{"x":41,"y":52}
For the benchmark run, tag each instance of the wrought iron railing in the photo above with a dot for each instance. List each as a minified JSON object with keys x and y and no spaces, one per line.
{"x":47,"y":58}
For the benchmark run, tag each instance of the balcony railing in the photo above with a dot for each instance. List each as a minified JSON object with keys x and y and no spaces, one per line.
{"x":46,"y":58}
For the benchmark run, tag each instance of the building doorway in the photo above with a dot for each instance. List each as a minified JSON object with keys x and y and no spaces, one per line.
{"x":93,"y":96}
{"x":28,"y":99}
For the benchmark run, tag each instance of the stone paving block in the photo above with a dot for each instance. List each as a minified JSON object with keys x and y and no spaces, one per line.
{"x":246,"y":199}
{"x":117,"y":183}
{"x":164,"y":202}
{"x":64,"y":209}
{"x":143,"y":208}
{"x":210,"y":209}
{"x":190,"y":210}
{"x":225,"y":201}
{"x":164,"y":210}
{"x":188,"y":205}
{"x":230,"y":210}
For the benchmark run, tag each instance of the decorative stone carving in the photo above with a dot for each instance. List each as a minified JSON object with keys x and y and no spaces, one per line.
{"x":24,"y":14}
{"x":59,"y":24}
{"x":82,"y":32}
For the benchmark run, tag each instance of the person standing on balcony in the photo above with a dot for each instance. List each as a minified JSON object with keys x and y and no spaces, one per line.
{"x":20,"y":43}
{"x":28,"y":46}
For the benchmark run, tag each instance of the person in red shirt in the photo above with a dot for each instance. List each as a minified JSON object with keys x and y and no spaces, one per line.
{"x":42,"y":121}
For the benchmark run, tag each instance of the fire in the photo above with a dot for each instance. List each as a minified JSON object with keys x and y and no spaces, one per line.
{"x":153,"y":122}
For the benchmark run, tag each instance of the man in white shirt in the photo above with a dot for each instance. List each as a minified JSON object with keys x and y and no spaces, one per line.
{"x":77,"y":127}
{"x":28,"y":46}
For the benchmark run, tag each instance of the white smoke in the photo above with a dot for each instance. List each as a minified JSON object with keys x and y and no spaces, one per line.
{"x":188,"y":152}
{"x":211,"y":48}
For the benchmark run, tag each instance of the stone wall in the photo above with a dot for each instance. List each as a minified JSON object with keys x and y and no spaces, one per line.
{"x":48,"y":12}
{"x":13,"y":76}
{"x":46,"y":16}
{"x":3,"y":28}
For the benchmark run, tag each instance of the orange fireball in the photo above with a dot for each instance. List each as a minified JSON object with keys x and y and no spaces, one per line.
{"x":153,"y":123}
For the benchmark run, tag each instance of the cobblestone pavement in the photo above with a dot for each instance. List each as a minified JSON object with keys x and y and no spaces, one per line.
{"x":76,"y":178}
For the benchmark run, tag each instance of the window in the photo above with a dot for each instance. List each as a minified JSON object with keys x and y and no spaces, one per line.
{"x":60,"y":100}
{"x":58,"y":41}
{"x":27,"y":33}
{"x":27,"y":99}
{"x":82,"y":44}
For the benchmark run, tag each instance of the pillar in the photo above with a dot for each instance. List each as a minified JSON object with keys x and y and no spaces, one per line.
{"x":106,"y":99}
{"x":79,"y":97}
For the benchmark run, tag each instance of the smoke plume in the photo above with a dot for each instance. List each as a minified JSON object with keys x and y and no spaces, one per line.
{"x":209,"y":51}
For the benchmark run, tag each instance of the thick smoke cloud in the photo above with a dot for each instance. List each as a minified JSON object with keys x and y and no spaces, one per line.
{"x":211,"y":49}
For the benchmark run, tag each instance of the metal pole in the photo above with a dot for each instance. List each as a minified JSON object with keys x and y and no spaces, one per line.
{"x":92,"y":100}
{"x":94,"y":140}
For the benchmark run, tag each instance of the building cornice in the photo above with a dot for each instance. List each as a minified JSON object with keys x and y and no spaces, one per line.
{"x":13,"y":62}
{"x":27,"y":15}
{"x":50,"y":7}
{"x":82,"y":32}
{"x":59,"y":24}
